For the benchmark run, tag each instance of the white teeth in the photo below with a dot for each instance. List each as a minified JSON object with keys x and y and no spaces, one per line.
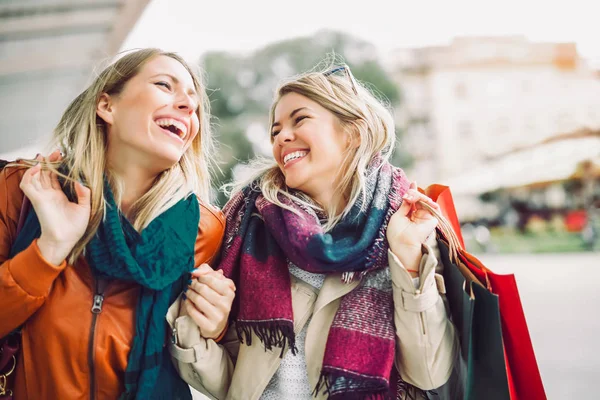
{"x":166,"y":122}
{"x":293,"y":156}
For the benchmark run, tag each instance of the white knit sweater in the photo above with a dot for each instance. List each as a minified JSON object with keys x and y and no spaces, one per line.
{"x":291,"y":378}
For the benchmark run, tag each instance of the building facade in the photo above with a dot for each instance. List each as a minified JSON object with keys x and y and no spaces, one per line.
{"x":479,"y":98}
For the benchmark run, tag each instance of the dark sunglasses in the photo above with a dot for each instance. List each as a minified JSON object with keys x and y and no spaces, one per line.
{"x":346,"y":70}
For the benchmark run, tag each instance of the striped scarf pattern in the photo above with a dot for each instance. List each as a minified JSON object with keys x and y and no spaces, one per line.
{"x":261,"y":237}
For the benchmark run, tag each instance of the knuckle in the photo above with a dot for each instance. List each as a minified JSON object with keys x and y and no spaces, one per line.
{"x":227,"y":307}
{"x":210,"y":327}
{"x":189,"y":308}
{"x":201,"y":289}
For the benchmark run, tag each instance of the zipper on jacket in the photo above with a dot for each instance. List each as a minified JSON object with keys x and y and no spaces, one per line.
{"x":98,"y":300}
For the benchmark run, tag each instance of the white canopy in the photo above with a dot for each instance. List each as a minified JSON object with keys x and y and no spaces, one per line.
{"x":546,"y":162}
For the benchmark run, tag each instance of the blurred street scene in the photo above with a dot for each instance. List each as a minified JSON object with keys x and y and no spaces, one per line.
{"x":511,"y":123}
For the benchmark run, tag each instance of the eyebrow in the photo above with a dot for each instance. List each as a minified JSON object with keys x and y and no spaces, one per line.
{"x":176,"y":81}
{"x":297,"y":110}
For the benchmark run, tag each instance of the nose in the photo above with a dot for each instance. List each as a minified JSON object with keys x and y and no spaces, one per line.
{"x":286,"y":135}
{"x":186,"y":104}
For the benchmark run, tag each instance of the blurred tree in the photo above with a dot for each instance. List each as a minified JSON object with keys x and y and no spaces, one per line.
{"x":241,"y":88}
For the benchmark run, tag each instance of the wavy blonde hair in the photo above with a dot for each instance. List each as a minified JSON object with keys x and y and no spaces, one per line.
{"x":81,"y":135}
{"x":361,"y":114}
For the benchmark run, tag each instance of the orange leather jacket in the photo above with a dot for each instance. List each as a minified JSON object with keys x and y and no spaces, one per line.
{"x":69,"y":351}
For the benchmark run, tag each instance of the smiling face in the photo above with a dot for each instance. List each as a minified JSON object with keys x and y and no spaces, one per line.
{"x":154,"y":119}
{"x":309,"y":145}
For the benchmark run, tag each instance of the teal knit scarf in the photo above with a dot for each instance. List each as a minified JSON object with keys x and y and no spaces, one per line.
{"x":158,"y":259}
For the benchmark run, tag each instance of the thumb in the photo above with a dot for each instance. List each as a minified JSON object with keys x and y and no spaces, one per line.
{"x":84,"y":195}
{"x":405,"y":208}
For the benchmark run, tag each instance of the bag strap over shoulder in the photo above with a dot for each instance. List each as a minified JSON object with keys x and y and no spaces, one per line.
{"x":25,"y":206}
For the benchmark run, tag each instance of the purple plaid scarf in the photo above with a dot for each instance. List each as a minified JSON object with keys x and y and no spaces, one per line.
{"x":261,"y":237}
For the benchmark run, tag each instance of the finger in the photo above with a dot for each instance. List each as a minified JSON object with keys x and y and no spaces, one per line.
{"x":26,"y":184}
{"x":55,"y":156}
{"x":411,"y":195}
{"x":222,"y":286}
{"x":54,"y":181}
{"x":205,"y":269}
{"x":218,"y":300}
{"x":28,"y":175}
{"x":200,"y":319}
{"x":83,"y":194}
{"x":45,"y":179}
{"x":422,"y":214}
{"x":219,"y":274}
{"x":207,"y":292}
{"x":414,"y":196}
{"x":204,"y":306}
{"x":35,"y":179}
{"x":405,"y":207}
{"x":202,"y":270}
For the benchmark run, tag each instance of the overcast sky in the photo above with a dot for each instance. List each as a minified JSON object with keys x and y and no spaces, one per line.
{"x":192,"y":27}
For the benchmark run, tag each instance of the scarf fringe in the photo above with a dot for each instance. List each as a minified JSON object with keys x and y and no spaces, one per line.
{"x":404,"y":392}
{"x":271,"y":334}
{"x":352,"y":389}
{"x":361,"y":389}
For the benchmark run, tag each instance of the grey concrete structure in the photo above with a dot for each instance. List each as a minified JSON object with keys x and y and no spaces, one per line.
{"x":48,"y":49}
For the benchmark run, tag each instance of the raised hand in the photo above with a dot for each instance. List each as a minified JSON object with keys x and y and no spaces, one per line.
{"x":62,"y":222}
{"x":412,"y":223}
{"x":209,"y":299}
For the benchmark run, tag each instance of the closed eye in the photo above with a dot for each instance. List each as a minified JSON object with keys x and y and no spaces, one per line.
{"x":300,"y":118}
{"x":164,"y":84}
{"x":275,"y":133}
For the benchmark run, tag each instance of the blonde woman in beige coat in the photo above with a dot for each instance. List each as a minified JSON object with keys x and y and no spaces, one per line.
{"x":335,"y":263}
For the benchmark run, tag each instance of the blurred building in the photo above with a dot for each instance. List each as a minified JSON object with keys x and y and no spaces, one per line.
{"x":48,"y":49}
{"x":480,"y":98}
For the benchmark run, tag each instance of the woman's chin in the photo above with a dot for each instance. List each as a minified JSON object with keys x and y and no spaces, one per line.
{"x":165,"y":159}
{"x":292,"y":182}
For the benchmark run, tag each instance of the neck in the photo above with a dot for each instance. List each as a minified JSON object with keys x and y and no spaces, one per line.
{"x":135,"y":181}
{"x":328,"y":199}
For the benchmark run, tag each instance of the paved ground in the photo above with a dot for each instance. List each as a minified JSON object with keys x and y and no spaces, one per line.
{"x":561,"y":298}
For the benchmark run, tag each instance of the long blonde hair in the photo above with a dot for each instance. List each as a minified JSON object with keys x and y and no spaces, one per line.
{"x":81,"y":135}
{"x":360,"y":114}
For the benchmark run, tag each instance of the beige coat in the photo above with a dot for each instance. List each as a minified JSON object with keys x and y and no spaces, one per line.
{"x":426,"y":339}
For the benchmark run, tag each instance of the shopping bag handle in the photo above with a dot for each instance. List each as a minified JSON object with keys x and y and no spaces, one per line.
{"x":449,"y":229}
{"x":454,"y":243}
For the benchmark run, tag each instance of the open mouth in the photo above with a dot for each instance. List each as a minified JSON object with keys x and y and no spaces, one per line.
{"x":294,"y":157}
{"x":172,"y":126}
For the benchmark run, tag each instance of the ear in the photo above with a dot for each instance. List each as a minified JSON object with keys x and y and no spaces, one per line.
{"x":353,"y":137}
{"x":104,"y":108}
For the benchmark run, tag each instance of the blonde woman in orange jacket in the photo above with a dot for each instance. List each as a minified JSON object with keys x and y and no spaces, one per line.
{"x":114,"y":230}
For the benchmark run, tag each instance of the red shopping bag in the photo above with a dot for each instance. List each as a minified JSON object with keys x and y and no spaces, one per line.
{"x":525,"y":382}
